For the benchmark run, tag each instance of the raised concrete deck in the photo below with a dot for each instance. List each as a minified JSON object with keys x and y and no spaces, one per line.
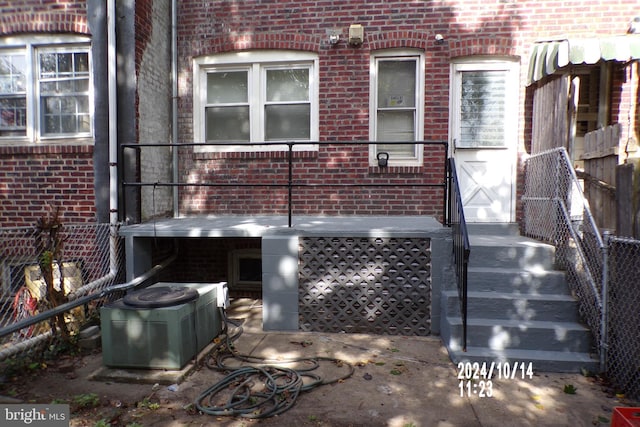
{"x":280,"y":246}
{"x":268,"y":225}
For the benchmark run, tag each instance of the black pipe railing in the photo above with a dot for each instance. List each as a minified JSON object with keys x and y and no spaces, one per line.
{"x":461,"y":247}
{"x":291,"y":183}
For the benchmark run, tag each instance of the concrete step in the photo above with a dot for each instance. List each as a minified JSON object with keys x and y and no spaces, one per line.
{"x":520,"y":310}
{"x":500,"y":334}
{"x":529,"y":307}
{"x":514,"y":280}
{"x":493,"y":229}
{"x":510,"y":252}
{"x":541,"y":360}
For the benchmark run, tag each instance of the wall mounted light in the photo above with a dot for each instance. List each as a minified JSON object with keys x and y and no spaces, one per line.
{"x":356,"y":35}
{"x":439,"y":39}
{"x":383,"y":159}
{"x":333,"y":36}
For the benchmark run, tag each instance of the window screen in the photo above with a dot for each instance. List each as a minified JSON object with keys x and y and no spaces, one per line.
{"x":13,"y":95}
{"x":396,"y":106}
{"x":227,"y":111}
{"x":64,"y":92}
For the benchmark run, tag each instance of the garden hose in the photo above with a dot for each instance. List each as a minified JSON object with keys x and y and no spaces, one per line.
{"x":262,"y":388}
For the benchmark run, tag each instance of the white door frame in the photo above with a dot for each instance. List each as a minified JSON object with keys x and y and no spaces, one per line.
{"x":508,"y":153}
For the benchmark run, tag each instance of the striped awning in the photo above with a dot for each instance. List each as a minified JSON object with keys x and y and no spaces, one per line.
{"x":549,"y":56}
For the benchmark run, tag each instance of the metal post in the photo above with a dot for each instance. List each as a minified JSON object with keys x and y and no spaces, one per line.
{"x":290,"y":183}
{"x":604,"y":344}
{"x":446,"y":184}
{"x":448,"y":197}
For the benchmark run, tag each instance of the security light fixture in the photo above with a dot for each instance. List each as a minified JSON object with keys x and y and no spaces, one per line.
{"x":383,"y":159}
{"x":333,"y":36}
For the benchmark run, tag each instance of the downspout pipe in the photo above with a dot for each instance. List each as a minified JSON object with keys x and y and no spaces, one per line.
{"x":174,"y":102}
{"x":113,"y":136}
{"x":113,"y":112}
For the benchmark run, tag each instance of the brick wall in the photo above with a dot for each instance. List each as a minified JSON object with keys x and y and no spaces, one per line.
{"x":43,"y":16}
{"x":202,"y":259}
{"x":470,"y":27}
{"x":32,"y":179}
{"x":153,"y":29}
{"x":476,"y":27}
{"x":625,"y":104}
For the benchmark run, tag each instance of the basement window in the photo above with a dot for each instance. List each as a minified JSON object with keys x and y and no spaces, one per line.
{"x":245,"y":270}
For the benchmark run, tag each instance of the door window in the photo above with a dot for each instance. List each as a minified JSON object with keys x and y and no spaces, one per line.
{"x":482,"y":108}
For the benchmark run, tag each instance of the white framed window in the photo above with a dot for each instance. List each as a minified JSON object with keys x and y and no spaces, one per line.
{"x":397,"y":106}
{"x":255,"y":97}
{"x":45,"y":88}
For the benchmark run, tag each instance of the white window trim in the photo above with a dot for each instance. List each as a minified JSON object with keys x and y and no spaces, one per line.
{"x":258,"y":61}
{"x":30,"y":45}
{"x":373,"y":104}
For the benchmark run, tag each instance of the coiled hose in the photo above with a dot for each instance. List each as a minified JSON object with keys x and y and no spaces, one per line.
{"x":262,"y":388}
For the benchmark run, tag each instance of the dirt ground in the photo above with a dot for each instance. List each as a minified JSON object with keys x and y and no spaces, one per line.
{"x":396,"y":382}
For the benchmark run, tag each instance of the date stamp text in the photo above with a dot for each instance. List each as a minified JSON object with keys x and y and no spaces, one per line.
{"x":477,"y":378}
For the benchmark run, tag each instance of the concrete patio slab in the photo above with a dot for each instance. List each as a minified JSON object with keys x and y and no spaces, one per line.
{"x":397,"y":381}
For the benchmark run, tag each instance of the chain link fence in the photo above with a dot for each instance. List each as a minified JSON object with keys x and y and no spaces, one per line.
{"x":602,"y":274}
{"x":89,"y":259}
{"x":623,"y":352}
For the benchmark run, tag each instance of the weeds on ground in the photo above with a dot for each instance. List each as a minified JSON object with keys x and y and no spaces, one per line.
{"x":146,"y":403}
{"x":86,"y":400}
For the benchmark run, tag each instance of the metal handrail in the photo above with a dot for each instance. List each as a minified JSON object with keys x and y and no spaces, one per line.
{"x":461,"y":246}
{"x":566,"y":198}
{"x":290,"y":183}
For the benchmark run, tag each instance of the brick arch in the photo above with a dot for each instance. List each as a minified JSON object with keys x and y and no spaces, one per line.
{"x":499,"y":46}
{"x":397,"y":39}
{"x":279,"y":41}
{"x":44,"y":22}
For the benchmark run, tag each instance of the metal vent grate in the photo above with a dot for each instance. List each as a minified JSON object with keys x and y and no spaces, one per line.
{"x":365,"y":285}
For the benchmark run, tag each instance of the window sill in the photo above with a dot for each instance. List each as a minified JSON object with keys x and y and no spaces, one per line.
{"x":281,"y":154}
{"x":58,"y":147}
{"x":397,"y":170}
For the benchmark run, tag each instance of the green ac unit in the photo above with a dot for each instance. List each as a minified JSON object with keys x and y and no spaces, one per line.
{"x":164,"y":337}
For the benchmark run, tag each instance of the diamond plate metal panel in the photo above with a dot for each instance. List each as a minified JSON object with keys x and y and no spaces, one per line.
{"x":365,"y":285}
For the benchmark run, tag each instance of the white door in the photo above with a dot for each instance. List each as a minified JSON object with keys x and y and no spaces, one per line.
{"x":483,"y":129}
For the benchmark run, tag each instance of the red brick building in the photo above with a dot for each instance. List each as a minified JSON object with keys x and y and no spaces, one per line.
{"x":46,"y":157}
{"x":291,"y":74}
{"x":340,"y":113}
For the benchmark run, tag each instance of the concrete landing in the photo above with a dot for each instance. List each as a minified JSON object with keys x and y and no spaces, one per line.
{"x":398,"y":381}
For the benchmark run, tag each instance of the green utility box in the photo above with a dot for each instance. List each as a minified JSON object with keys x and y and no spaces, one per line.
{"x":161,"y":338}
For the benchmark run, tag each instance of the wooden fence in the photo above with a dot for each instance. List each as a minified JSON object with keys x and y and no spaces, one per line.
{"x":611,"y":182}
{"x":601,"y":148}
